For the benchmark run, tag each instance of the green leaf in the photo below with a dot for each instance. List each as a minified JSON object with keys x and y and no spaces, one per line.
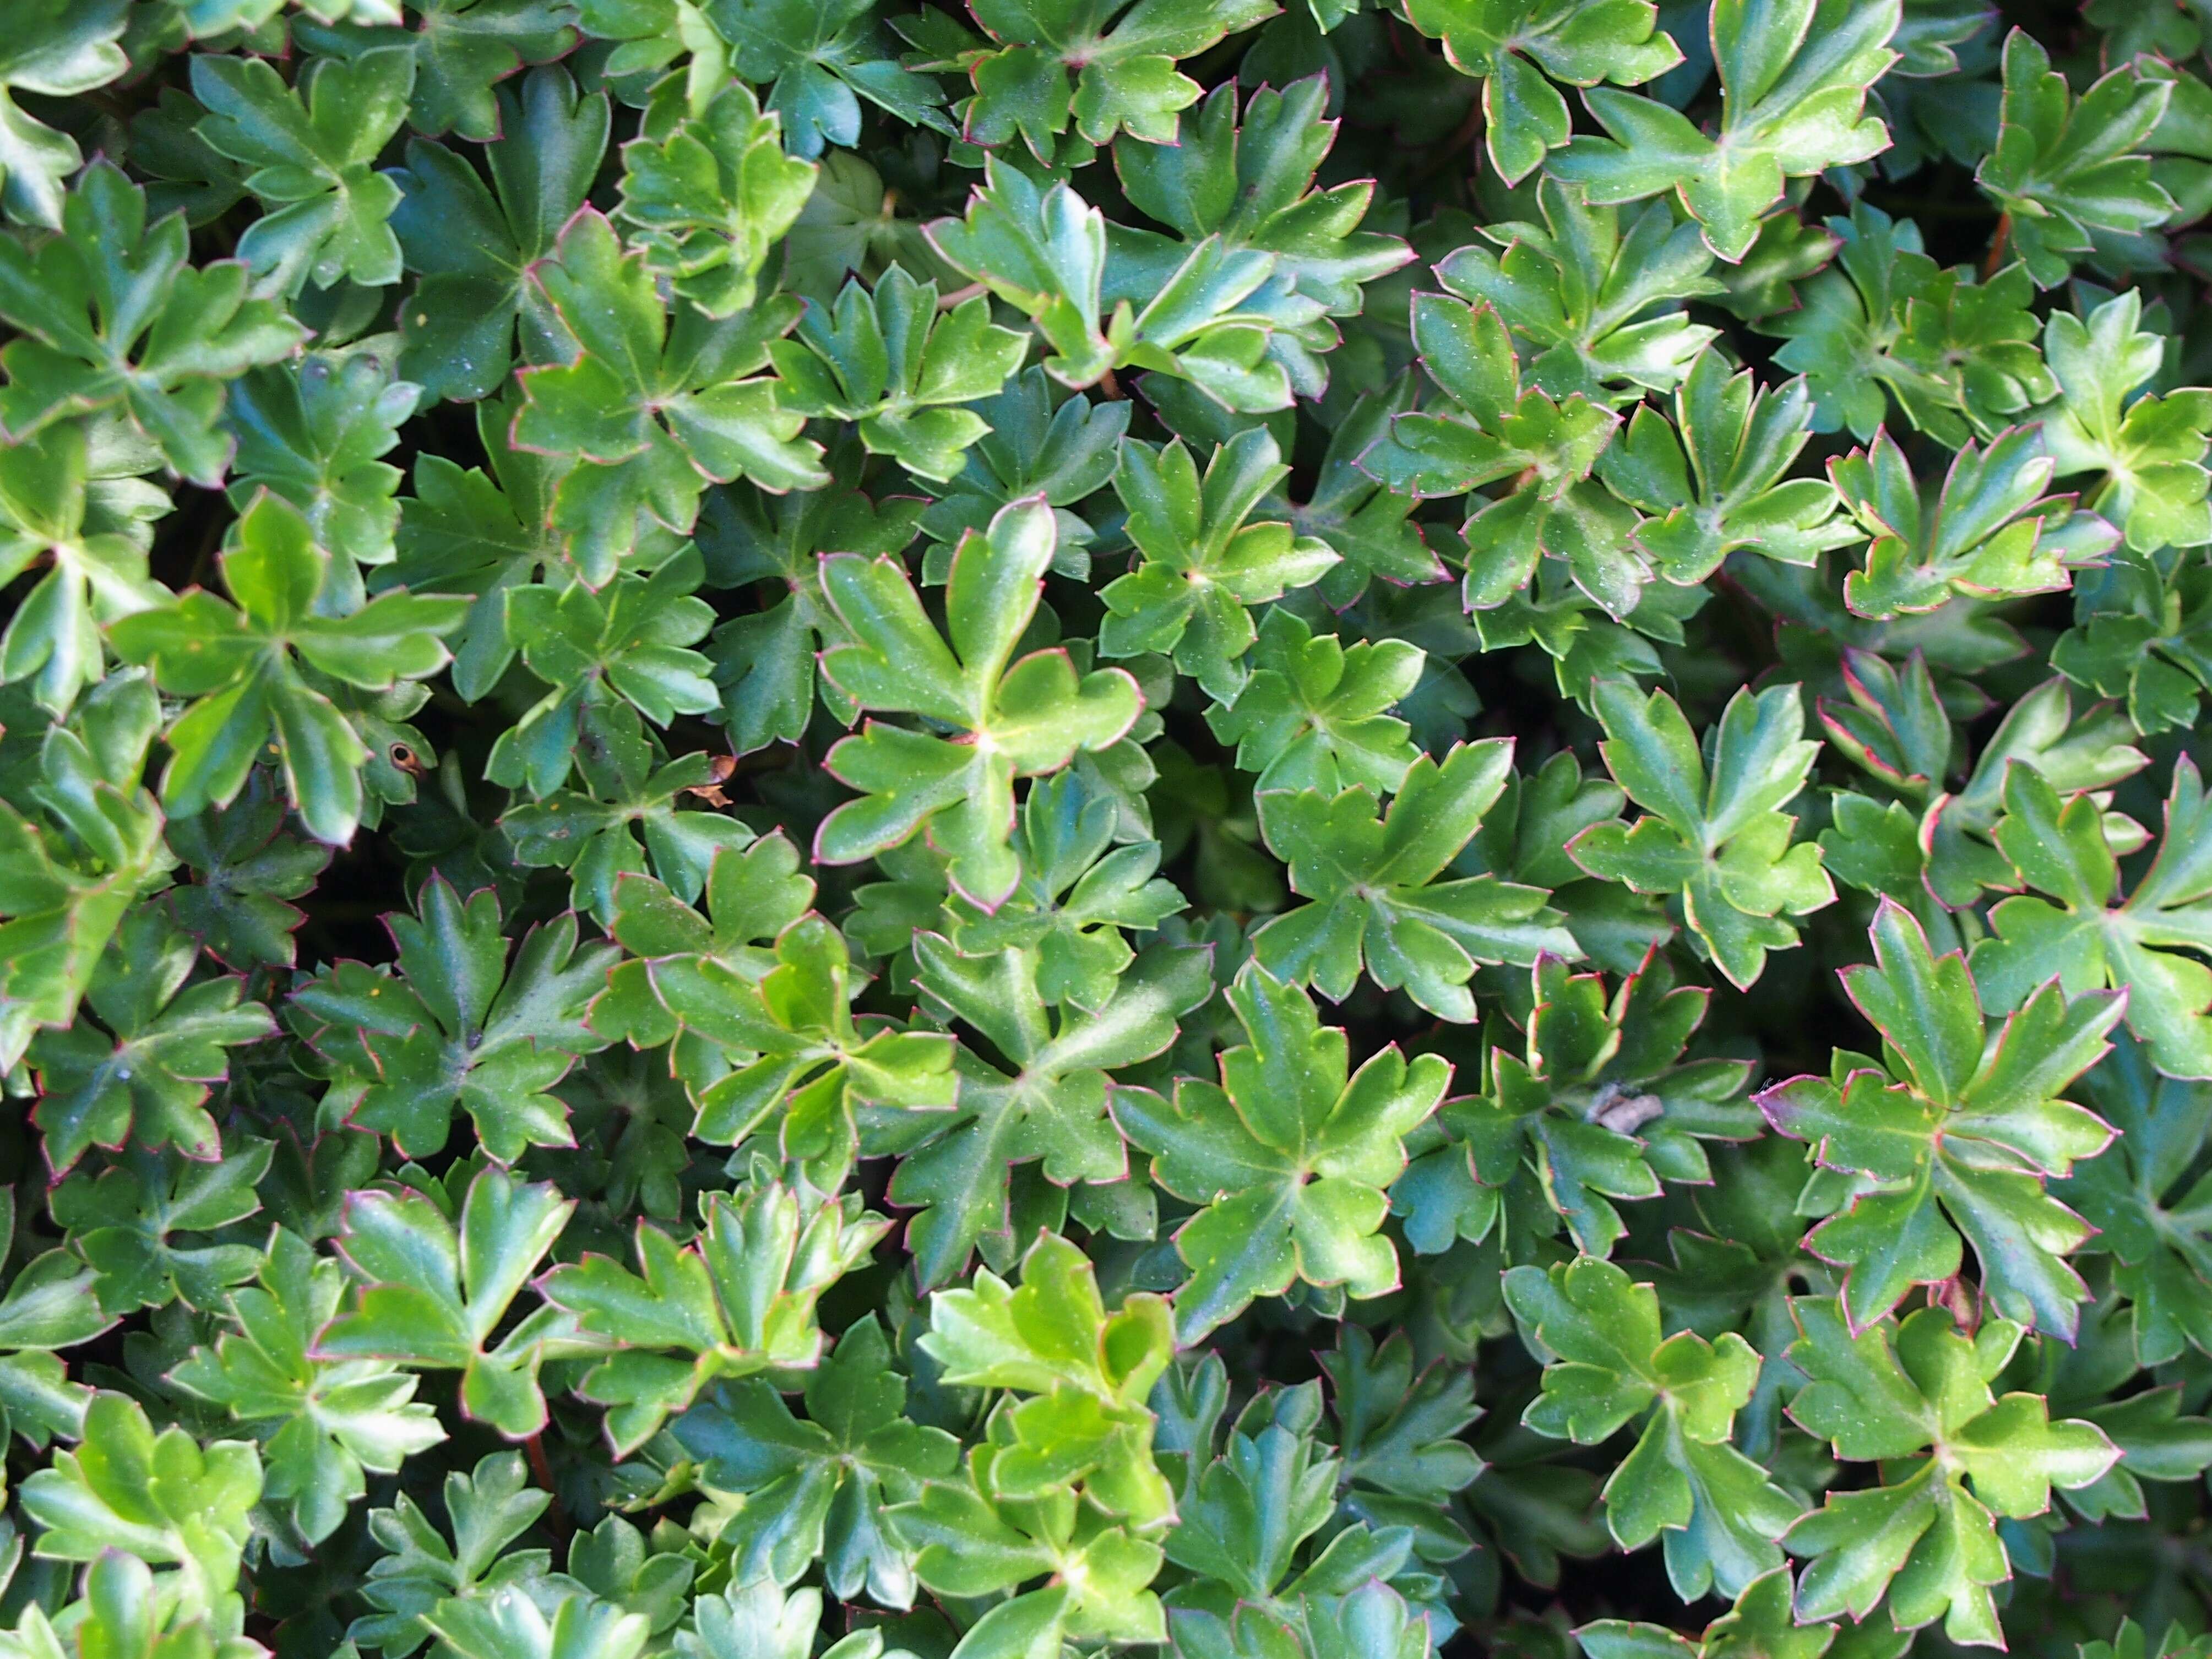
{"x":1044,"y":254}
{"x":1049,"y":1106}
{"x":651,"y":35}
{"x":321,"y":1422}
{"x":678,"y":961}
{"x":2137,"y":637}
{"x":1787,"y":252}
{"x":1288,"y":1157}
{"x":972,"y":1542}
{"x":2090,"y":751}
{"x":1400,"y":1437}
{"x":613,"y":1563}
{"x":1314,"y":716}
{"x":420,"y":1570}
{"x":312,"y":149}
{"x":1524,"y":838}
{"x":1374,"y":899}
{"x":1065,"y":1485}
{"x":763,"y":1621}
{"x":481,"y":532}
{"x":1714,"y":481}
{"x":1085,"y":1374}
{"x":470,"y":245}
{"x":1054,"y":61}
{"x":56,"y":49}
{"x":707,"y":190}
{"x":1252,"y":186}
{"x":1492,"y":427}
{"x":2084,"y":935}
{"x":111,"y":317}
{"x":850,"y":223}
{"x":1760,"y":1624}
{"x":51,"y":1303}
{"x":245,"y":667}
{"x":72,"y":869}
{"x":91,"y":534}
{"x":766,"y":658}
{"x":1607,"y":1365}
{"x":2128,"y":1643}
{"x":738,"y":1301}
{"x":143,"y":1224}
{"x":451,"y":1040}
{"x":48,"y":1304}
{"x":1885,"y":323}
{"x":147,"y":1075}
{"x":311,"y":432}
{"x":1893,"y":725}
{"x":888,"y":360}
{"x":1077,"y":894}
{"x":163,"y":1498}
{"x":432,"y":1294}
{"x":458,"y":1025}
{"x":2152,"y":455}
{"x":1244,"y":1514}
{"x":2147,"y":1209}
{"x":1794,"y":78}
{"x":1043,"y":441}
{"x":126,"y":1609}
{"x":824,"y":57}
{"x":1589,"y":299}
{"x":1990,"y":532}
{"x":636,"y":820}
{"x":650,"y":404}
{"x":1011,"y":717}
{"x":797,"y":1057}
{"x":1928,"y":1534}
{"x":1600,"y":1106}
{"x":610,"y":658}
{"x":1517,"y":48}
{"x":508,"y":1623}
{"x":816,"y":1488}
{"x":1713,"y":830}
{"x":2064,"y":169}
{"x":1204,"y":566}
{"x":463,"y":51}
{"x":186,"y":171}
{"x":1953,"y":1134}
{"x":1370,"y":528}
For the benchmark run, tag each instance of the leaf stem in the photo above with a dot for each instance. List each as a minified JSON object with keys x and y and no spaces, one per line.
{"x":533,"y":1446}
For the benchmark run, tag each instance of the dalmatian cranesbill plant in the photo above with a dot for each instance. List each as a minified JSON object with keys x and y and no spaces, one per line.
{"x":1042,"y":829}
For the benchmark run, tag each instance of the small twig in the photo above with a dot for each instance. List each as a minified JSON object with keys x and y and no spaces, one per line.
{"x":534,"y":1445}
{"x":1997,"y":247}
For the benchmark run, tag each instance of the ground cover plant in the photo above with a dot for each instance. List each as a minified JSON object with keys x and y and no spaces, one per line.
{"x":1338,"y":829}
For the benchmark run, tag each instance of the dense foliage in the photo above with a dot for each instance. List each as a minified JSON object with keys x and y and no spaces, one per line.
{"x":899,"y":829}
